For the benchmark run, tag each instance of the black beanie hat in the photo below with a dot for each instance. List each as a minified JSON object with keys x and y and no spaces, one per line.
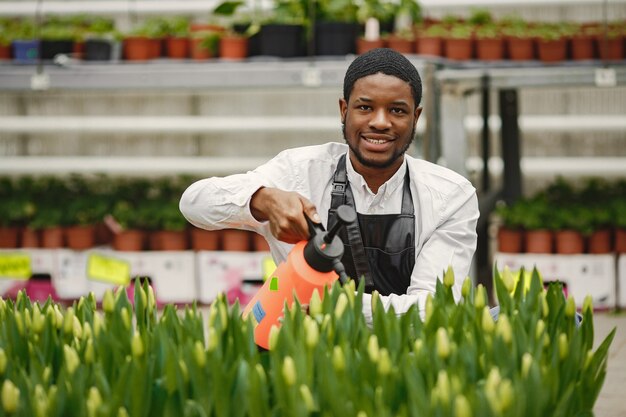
{"x":386,"y":61}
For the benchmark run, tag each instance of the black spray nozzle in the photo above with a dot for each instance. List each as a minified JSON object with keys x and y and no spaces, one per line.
{"x":345,"y":215}
{"x":325,"y":249}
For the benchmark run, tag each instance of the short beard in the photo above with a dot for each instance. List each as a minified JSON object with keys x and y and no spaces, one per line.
{"x":372,"y":164}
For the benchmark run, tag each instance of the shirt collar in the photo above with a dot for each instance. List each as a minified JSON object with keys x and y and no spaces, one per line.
{"x":387,"y":188}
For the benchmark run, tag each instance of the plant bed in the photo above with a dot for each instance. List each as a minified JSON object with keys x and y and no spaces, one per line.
{"x":455,"y":361}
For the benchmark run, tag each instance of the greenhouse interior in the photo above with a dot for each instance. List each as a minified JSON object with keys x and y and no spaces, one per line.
{"x":193,"y":218}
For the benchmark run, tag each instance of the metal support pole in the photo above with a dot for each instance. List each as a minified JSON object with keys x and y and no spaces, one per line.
{"x":510,"y":139}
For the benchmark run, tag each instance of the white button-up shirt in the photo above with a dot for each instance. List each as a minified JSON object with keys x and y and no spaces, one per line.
{"x":446,"y":210}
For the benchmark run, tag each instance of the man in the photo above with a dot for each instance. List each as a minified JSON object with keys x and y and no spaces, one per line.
{"x":414,"y":218}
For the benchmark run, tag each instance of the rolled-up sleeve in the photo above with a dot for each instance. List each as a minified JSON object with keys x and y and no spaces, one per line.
{"x":224,"y":202}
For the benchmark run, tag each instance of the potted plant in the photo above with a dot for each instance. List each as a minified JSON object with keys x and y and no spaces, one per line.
{"x":128,"y":233}
{"x":510,"y":233}
{"x":583,"y":40}
{"x":336,"y":27}
{"x":459,"y":45}
{"x":619,"y":222}
{"x":408,"y":15}
{"x":5,"y":39}
{"x":520,"y":43}
{"x":26,"y":47}
{"x":233,"y":43}
{"x":551,"y":42}
{"x":177,"y":38}
{"x":235,"y":240}
{"x":537,"y":231}
{"x":373,"y":14}
{"x":430,"y":39}
{"x":402,"y":41}
{"x":16,"y":209}
{"x":171,"y":233}
{"x":102,"y":41}
{"x":84,"y":211}
{"x":571,"y":223}
{"x":144,"y":42}
{"x":57,"y":38}
{"x":204,"y":44}
{"x":284,"y":33}
{"x":611,"y":42}
{"x":205,"y":240}
{"x":489,"y":42}
{"x":48,"y":219}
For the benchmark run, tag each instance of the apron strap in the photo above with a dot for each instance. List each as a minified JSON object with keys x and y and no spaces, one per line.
{"x":342,"y":194}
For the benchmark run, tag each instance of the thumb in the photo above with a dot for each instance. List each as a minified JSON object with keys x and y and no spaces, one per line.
{"x":310,"y":210}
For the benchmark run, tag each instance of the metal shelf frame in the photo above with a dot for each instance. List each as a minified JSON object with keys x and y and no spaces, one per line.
{"x":454,"y":85}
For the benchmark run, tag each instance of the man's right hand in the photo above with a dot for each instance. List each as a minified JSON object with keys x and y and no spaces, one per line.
{"x":285,"y":211}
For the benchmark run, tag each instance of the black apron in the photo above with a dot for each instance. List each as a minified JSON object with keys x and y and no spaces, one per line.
{"x":378,"y":248}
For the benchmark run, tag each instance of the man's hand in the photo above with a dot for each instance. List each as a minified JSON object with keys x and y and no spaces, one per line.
{"x":285,"y":211}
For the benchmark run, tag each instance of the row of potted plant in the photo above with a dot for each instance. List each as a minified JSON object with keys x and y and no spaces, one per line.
{"x":482,"y":37}
{"x":125,"y":360}
{"x":80,"y":212}
{"x":567,"y":219}
{"x":284,"y":30}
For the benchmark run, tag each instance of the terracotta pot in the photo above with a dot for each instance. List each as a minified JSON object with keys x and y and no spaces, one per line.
{"x":582,"y":47}
{"x":260,"y":244}
{"x":459,"y":49}
{"x":490,"y":49}
{"x":198,"y":52}
{"x":156,"y":47}
{"x":611,"y":49}
{"x":171,"y":240}
{"x":79,"y":49}
{"x":552,"y":50}
{"x":362,"y":45}
{"x":52,"y":238}
{"x":177,"y":48}
{"x":620,"y":240}
{"x":205,"y":27}
{"x":510,"y":240}
{"x":235,"y":240}
{"x":138,"y":48}
{"x":600,"y":241}
{"x":9,"y":237}
{"x":233,"y":47}
{"x":205,"y":239}
{"x":5,"y":51}
{"x":129,"y":240}
{"x":80,"y":237}
{"x":104,"y":236}
{"x":520,"y":49}
{"x":538,"y":241}
{"x":430,"y":46}
{"x":30,"y":238}
{"x":569,"y":242}
{"x":402,"y":45}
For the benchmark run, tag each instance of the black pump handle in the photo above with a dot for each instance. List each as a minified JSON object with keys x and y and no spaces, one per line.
{"x":345,"y":215}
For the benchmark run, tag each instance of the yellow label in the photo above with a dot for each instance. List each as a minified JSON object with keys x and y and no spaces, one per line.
{"x":15,"y":266}
{"x":268,"y":268}
{"x":107,"y":269}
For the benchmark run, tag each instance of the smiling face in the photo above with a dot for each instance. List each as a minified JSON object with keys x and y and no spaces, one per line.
{"x":379,"y":124}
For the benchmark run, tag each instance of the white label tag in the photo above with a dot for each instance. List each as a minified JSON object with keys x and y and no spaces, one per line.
{"x":40,"y":82}
{"x":312,"y":77}
{"x":605,"y":77}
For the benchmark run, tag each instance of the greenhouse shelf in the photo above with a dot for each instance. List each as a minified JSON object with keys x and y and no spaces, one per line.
{"x":593,"y":275}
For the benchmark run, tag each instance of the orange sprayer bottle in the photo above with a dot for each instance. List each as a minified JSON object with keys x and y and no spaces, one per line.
{"x":310,"y":265}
